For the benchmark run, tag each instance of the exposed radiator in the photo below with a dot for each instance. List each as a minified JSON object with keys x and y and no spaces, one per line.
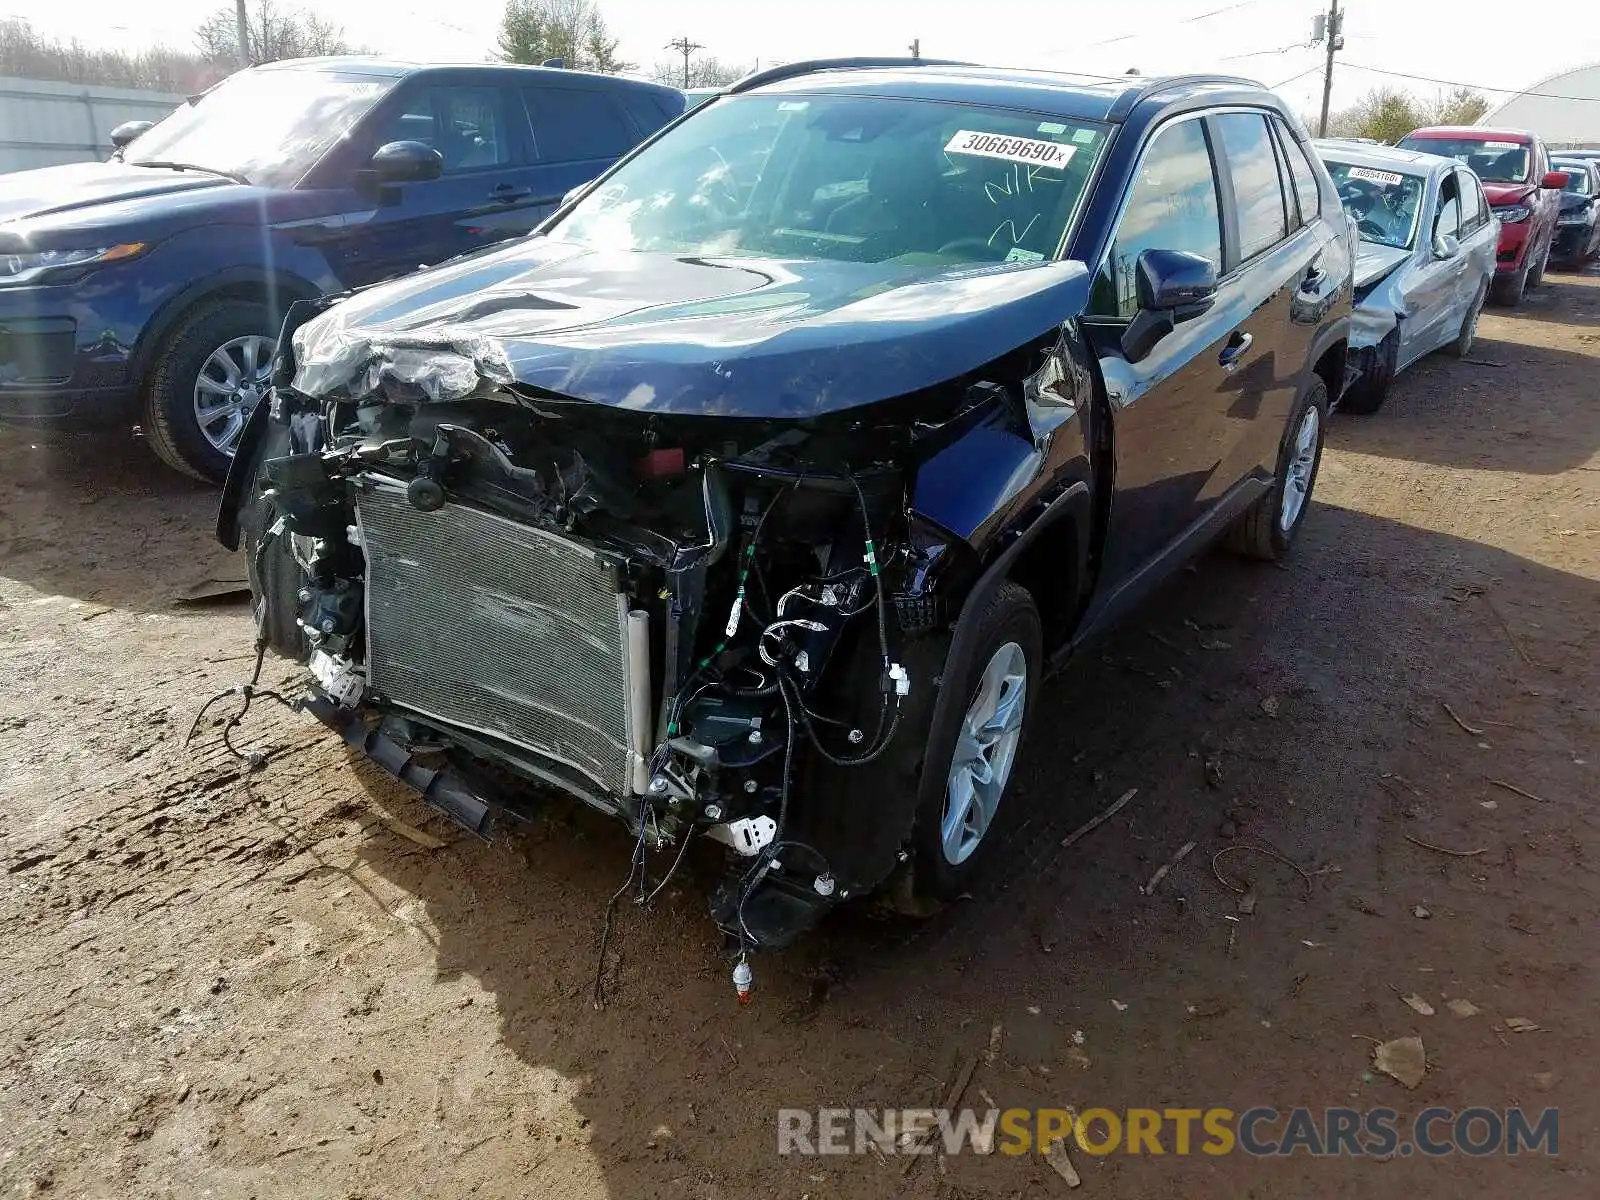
{"x":499,"y":628}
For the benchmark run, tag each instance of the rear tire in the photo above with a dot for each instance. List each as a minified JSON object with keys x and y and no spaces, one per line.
{"x":1268,"y":527}
{"x":172,"y":424}
{"x":1368,"y":393}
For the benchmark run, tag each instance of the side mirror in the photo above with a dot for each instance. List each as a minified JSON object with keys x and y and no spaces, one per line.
{"x":1172,"y":286}
{"x":407,"y":162}
{"x":1554,"y":179}
{"x":1446,"y":245}
{"x":127,"y":131}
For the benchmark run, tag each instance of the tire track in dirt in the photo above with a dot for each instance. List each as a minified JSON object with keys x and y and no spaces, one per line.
{"x":199,"y":822}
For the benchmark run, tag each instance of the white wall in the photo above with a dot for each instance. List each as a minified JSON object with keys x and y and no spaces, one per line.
{"x":1564,"y":110}
{"x":44,"y":122}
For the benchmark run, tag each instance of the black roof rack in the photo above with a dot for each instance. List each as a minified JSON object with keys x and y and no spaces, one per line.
{"x":811,"y":65}
{"x":1155,"y":87}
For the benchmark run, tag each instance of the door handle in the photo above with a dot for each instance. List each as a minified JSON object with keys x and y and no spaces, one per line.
{"x":1234,"y":350}
{"x":509,"y":193}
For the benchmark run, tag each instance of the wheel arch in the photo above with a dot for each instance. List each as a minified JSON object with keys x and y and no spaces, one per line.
{"x":276,"y":289}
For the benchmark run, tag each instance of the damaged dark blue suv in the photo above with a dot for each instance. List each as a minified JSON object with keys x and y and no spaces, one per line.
{"x":754,"y":497}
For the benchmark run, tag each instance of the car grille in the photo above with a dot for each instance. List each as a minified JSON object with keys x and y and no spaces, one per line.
{"x":498,"y":628}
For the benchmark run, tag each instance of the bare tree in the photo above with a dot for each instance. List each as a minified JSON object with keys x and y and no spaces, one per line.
{"x":24,"y":53}
{"x":275,"y":33}
{"x":575,"y":31}
{"x":705,"y":71}
{"x":1459,"y":106}
{"x":1387,"y":114}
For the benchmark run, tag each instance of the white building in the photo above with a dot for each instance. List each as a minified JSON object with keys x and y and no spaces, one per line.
{"x":1564,"y":109}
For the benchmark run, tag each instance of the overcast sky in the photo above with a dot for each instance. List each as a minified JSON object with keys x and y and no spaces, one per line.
{"x":1467,"y":40}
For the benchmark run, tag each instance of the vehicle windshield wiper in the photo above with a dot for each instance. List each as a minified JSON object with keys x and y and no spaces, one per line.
{"x":183,"y":166}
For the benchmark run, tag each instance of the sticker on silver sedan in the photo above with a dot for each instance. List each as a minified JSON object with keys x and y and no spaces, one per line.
{"x":1387,"y":178}
{"x":1029,"y":151}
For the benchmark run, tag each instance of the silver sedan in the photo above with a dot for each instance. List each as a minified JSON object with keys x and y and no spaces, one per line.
{"x":1424,"y":264}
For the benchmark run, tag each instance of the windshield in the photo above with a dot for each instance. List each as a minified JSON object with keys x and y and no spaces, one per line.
{"x":1577,"y":177}
{"x":847,"y":179}
{"x":1383,"y":203}
{"x":269,"y":126}
{"x":1493,"y":162}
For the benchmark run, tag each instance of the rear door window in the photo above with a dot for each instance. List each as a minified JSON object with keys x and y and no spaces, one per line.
{"x":577,"y":125}
{"x":1257,"y":190}
{"x":1172,"y":206}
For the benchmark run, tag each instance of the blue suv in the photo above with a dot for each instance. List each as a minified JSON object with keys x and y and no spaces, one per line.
{"x":150,"y":288}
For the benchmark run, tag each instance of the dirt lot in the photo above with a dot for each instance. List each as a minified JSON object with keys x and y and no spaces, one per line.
{"x":266,"y":986}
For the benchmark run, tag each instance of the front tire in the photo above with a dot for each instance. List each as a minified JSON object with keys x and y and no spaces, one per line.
{"x":1508,"y":290}
{"x":1468,"y":335}
{"x":987,"y":694}
{"x":276,"y":576}
{"x":1536,"y":276}
{"x":1267,"y":529}
{"x":210,"y":373}
{"x":1368,"y":393}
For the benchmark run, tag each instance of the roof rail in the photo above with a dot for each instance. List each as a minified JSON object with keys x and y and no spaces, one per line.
{"x":808,"y":66}
{"x":1124,"y":106}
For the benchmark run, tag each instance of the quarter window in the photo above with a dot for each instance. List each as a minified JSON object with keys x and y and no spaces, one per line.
{"x":1257,"y":190}
{"x":1173,"y":206}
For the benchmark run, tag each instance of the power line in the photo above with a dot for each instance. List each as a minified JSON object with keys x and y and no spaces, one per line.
{"x":1480,"y":87}
{"x":1123,"y":37}
{"x":684,"y":47}
{"x":1295,"y":78}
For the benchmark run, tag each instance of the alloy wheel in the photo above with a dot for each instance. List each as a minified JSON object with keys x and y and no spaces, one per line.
{"x":232,"y":381}
{"x":1301,"y":466}
{"x":986,"y":749}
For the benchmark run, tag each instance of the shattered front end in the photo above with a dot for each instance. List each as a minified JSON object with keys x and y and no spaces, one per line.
{"x":679,"y":620}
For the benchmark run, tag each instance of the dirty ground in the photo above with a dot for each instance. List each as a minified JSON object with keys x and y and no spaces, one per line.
{"x":300,"y":983}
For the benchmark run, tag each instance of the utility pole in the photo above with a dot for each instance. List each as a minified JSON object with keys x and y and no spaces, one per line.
{"x":1335,"y":38}
{"x":683,"y":46}
{"x":243,"y":20}
{"x":916,"y":48}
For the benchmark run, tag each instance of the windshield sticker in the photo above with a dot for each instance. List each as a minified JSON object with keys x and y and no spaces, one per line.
{"x":1387,"y":178}
{"x":1018,"y":254}
{"x":1052,"y":127}
{"x":1084,"y":136}
{"x":793,"y":105}
{"x":1030,"y":151}
{"x":1502,"y":145}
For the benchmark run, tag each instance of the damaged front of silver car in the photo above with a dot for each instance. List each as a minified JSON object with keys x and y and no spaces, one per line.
{"x":695,"y":537}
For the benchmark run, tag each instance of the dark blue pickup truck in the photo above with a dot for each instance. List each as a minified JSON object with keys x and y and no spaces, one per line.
{"x":149,"y":289}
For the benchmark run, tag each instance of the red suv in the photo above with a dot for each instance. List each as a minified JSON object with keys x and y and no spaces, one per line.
{"x":1522,"y":189}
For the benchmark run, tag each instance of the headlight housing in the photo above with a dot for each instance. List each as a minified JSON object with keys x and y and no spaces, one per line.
{"x":29,"y":265}
{"x":1512,"y":214}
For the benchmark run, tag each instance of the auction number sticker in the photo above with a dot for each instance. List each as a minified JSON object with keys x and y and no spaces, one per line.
{"x":1387,"y":178}
{"x":1031,"y":151}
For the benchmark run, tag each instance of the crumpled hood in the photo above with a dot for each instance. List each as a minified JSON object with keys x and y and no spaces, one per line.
{"x":1499,"y":194}
{"x":727,"y":336}
{"x":73,"y":194}
{"x":1373,"y":261}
